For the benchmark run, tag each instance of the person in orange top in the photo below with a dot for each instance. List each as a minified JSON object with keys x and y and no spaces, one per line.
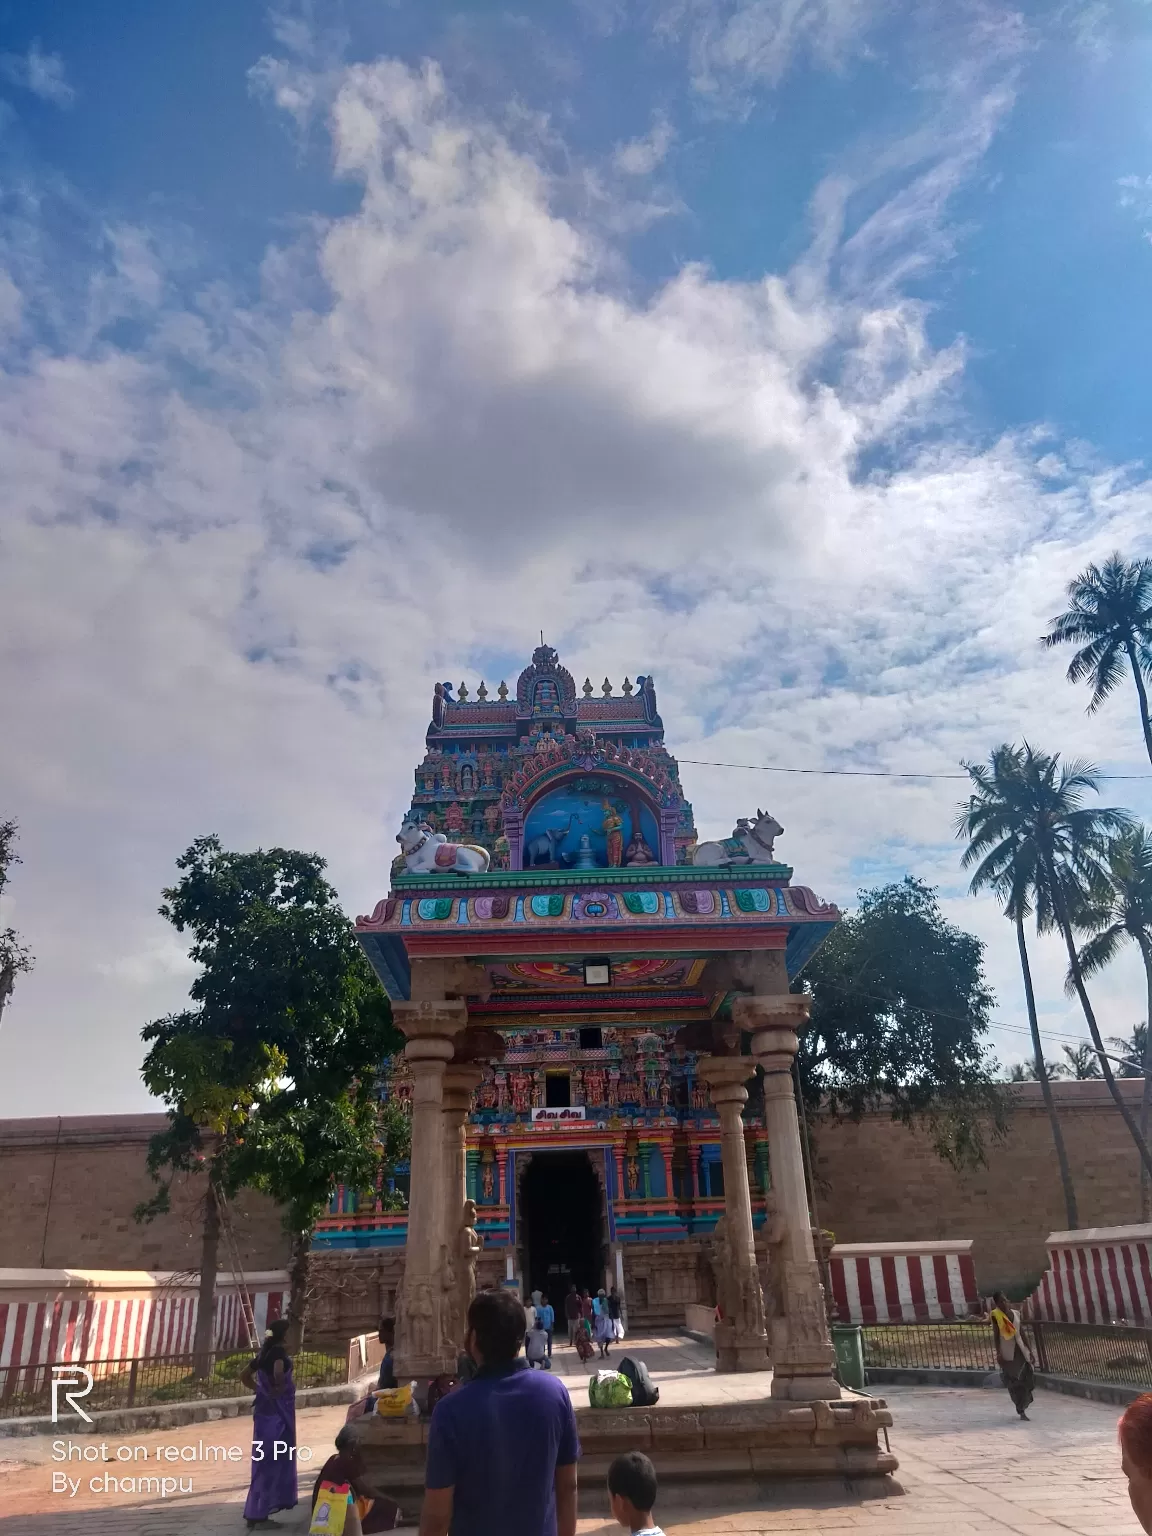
{"x":1136,"y":1450}
{"x":1016,"y":1369}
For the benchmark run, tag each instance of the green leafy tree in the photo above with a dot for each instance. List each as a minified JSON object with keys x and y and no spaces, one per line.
{"x":1083,"y":1064}
{"x":1109,"y":616}
{"x":1002,"y":860}
{"x":1118,"y":913}
{"x":1031,"y":817}
{"x":278,"y":1060}
{"x":15,"y":956}
{"x":1025,"y":1071}
{"x":899,"y":1010}
{"x":1128,"y":1052}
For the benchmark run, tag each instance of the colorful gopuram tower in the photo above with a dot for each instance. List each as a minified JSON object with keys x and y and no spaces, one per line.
{"x":588,"y":1014}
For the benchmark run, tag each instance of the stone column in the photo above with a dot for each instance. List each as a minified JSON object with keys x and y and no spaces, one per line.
{"x":741,"y":1342}
{"x":461,"y":1079}
{"x":423,"y":1344}
{"x":802,"y":1355}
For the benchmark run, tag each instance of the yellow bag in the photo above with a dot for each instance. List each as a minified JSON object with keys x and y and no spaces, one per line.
{"x":331,"y":1512}
{"x":394,"y":1402}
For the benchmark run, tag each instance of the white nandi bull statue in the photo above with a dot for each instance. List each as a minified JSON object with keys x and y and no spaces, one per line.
{"x":427,"y":852}
{"x":747,"y":845}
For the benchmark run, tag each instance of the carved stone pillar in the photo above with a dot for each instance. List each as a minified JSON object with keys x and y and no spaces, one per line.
{"x":741,"y":1342}
{"x":424,"y":1346}
{"x":802,"y":1355}
{"x":461,"y":1079}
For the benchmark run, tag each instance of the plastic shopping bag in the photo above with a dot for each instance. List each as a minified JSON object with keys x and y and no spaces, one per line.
{"x":608,"y":1389}
{"x":394,"y":1402}
{"x":331,"y":1512}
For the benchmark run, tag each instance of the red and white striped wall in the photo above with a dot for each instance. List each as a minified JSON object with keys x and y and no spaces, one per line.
{"x":902,"y":1282}
{"x":97,"y":1315}
{"x":1096,"y":1275}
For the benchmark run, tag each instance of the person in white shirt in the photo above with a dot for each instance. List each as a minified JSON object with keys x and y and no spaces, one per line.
{"x":536,"y":1344}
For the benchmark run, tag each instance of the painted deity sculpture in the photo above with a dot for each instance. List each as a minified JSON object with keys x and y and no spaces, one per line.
{"x":748,"y":844}
{"x":612,"y":827}
{"x":427,"y":852}
{"x":638,"y":851}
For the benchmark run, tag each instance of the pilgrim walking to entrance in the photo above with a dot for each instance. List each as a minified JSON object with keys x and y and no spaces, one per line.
{"x":572,"y":1312}
{"x":1016,"y":1369}
{"x":604,"y":1329}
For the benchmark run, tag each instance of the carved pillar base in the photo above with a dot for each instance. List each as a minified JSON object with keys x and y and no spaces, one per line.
{"x":802,"y":1354}
{"x":424,"y":1344}
{"x":741,"y":1342}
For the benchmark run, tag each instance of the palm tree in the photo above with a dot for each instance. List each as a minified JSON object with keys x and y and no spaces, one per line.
{"x":1109,"y":616}
{"x":1005,"y":867}
{"x":1121,"y":914}
{"x":1029,"y":824}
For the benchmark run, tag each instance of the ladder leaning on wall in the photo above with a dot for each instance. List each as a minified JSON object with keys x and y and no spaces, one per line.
{"x":241,"y":1283}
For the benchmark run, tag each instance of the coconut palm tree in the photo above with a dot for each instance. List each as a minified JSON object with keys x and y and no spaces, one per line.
{"x":1109,"y":615}
{"x":1002,"y":853}
{"x":1119,"y":914}
{"x":1029,"y":821}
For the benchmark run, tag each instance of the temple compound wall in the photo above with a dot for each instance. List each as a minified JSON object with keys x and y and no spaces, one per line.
{"x":68,"y":1187}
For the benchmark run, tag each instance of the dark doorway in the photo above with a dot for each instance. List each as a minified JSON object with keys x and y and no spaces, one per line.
{"x":560,"y":1212}
{"x":557,"y":1090}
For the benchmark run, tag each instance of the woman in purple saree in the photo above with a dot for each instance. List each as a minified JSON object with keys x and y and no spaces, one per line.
{"x":273,"y":1485}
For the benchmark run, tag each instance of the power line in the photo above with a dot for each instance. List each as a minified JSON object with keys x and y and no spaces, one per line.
{"x":865,"y":773}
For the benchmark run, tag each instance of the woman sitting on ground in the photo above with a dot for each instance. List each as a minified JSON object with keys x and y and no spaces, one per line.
{"x":368,"y":1513}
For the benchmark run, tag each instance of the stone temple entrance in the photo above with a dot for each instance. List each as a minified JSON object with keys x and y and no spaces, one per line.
{"x":562,"y":1221}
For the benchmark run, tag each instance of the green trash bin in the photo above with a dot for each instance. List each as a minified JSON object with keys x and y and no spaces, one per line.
{"x":848,"y":1342}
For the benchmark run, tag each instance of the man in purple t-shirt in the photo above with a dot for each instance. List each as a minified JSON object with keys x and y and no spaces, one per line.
{"x":502,"y":1450}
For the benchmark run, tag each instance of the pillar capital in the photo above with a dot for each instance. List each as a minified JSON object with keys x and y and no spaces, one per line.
{"x":727,"y":1077}
{"x":775,"y":1012}
{"x":437,"y":978}
{"x":461,"y":1080}
{"x":431,"y":1027}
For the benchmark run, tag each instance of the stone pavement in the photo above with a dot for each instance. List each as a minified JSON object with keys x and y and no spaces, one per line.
{"x":969,"y":1467}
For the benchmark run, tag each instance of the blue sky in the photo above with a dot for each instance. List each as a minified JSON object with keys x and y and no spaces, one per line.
{"x":792,"y":350}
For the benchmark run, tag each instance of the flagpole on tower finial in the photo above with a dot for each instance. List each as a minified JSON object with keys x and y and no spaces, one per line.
{"x":541,"y":637}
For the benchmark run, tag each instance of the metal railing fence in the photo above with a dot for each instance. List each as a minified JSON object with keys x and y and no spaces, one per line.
{"x":26,"y":1390}
{"x":1104,"y":1352}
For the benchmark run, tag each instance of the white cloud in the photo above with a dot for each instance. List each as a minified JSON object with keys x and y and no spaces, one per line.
{"x":40,"y":73}
{"x":640,"y":157}
{"x":160,"y":958}
{"x":451,"y":421}
{"x":734,"y":45}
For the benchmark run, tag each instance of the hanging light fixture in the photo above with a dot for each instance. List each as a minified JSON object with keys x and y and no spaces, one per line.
{"x":598,"y":972}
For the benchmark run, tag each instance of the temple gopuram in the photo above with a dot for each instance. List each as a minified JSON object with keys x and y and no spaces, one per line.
{"x":600,"y":1035}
